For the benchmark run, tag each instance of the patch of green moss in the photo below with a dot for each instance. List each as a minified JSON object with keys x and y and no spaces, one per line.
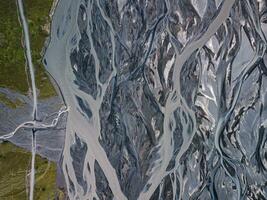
{"x":12,"y":61}
{"x":37,"y":12}
{"x":11,"y":104}
{"x":14,"y":175}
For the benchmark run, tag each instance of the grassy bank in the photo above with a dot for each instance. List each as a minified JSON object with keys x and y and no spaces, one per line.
{"x":15,"y":166}
{"x":12,"y":62}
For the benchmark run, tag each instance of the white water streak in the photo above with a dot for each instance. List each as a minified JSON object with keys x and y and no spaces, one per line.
{"x":30,"y":65}
{"x":36,"y":125}
{"x":28,"y":56}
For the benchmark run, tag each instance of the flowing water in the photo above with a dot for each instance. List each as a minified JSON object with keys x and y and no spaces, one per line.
{"x":166,"y":99}
{"x":30,"y":65}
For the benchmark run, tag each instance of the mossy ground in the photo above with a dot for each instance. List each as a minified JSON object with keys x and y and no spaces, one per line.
{"x":37,"y":12}
{"x":15,"y":167}
{"x":12,"y":61}
{"x":14,"y":161}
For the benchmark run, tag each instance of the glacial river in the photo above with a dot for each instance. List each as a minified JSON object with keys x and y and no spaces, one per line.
{"x":159,"y":96}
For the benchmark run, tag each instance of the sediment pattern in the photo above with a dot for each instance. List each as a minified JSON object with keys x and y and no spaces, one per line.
{"x":166,"y":99}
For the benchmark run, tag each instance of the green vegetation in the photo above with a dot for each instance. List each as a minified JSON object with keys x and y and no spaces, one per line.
{"x":37,"y":13}
{"x":12,"y":62}
{"x":15,"y":162}
{"x":15,"y":166}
